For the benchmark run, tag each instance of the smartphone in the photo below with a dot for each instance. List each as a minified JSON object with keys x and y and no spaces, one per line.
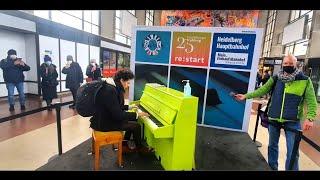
{"x":232,"y":94}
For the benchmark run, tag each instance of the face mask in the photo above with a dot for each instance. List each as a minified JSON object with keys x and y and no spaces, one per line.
{"x":69,"y":62}
{"x":288,"y":69}
{"x":93,"y":64}
{"x":48,"y":63}
{"x":13,"y":56}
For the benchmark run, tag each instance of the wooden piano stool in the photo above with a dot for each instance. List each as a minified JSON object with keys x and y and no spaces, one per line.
{"x":100,"y":139}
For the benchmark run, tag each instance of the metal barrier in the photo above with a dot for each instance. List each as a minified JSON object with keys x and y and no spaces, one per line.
{"x":56,"y":106}
{"x":299,"y":135}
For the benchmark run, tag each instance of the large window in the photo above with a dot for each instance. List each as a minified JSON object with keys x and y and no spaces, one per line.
{"x":271,"y":20}
{"x":85,"y":20}
{"x":133,"y":12}
{"x":149,"y":17}
{"x":118,"y":35}
{"x":300,"y":47}
{"x":42,"y":13}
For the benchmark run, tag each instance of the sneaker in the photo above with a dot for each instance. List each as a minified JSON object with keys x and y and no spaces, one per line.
{"x":23,"y":107}
{"x":131,"y":144}
{"x":11,"y":108}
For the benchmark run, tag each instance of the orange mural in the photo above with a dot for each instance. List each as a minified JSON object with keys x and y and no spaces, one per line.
{"x":236,"y":18}
{"x":209,"y":18}
{"x":187,"y":18}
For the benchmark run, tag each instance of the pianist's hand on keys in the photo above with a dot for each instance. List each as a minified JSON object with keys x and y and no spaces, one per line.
{"x":143,"y":114}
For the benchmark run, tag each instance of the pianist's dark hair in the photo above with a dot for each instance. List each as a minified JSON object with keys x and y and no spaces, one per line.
{"x":125,"y":74}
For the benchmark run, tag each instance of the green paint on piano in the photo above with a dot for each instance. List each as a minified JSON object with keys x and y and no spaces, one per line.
{"x":173,"y":140}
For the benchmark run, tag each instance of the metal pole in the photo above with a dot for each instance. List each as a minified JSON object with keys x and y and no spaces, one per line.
{"x":58,"y":114}
{"x":257,"y":124}
{"x":295,"y":149}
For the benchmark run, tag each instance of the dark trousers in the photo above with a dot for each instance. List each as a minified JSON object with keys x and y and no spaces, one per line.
{"x":133,"y":127}
{"x":74,"y":94}
{"x":49,"y":101}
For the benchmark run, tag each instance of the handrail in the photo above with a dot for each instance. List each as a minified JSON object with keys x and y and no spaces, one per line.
{"x":57,"y":106}
{"x":299,"y":135}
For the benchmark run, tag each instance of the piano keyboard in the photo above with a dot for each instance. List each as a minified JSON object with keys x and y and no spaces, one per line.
{"x":152,"y":118}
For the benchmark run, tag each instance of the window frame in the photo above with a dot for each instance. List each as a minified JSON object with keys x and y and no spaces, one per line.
{"x":293,"y":17}
{"x":149,"y":19}
{"x":269,"y":32}
{"x":117,"y":31}
{"x":83,"y":20}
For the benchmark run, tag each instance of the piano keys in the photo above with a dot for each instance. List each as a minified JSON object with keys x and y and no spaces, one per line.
{"x":171,"y":128}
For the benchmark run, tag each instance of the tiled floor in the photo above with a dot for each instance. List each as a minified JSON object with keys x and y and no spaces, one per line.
{"x":33,"y":149}
{"x":28,"y":143}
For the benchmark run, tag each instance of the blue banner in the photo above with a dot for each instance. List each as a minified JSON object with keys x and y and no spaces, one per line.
{"x":153,"y":46}
{"x":232,"y":50}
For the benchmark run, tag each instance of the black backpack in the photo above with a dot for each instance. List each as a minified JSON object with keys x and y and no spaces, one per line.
{"x":86,"y":97}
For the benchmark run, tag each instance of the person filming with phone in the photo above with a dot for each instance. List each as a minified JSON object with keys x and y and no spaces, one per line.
{"x":13,"y":68}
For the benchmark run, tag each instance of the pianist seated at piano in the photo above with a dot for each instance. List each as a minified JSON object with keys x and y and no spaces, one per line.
{"x":113,"y":115}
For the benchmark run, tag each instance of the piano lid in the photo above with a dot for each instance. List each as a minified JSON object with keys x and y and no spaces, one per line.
{"x":163,"y":103}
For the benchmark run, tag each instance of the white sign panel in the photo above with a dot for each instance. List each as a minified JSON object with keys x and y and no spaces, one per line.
{"x":294,"y":31}
{"x":240,"y":59}
{"x":128,"y":21}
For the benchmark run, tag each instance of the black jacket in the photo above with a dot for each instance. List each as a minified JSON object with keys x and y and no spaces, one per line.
{"x":74,"y":75}
{"x":49,"y":81}
{"x":12,"y":73}
{"x":111,"y":114}
{"x":95,"y":75}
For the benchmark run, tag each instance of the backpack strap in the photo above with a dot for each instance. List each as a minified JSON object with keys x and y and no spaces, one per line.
{"x":101,"y":85}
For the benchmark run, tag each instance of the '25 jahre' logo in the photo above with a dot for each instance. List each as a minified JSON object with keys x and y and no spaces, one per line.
{"x":152,"y":44}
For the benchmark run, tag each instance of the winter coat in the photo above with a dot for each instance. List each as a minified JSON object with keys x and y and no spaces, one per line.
{"x":95,"y":75}
{"x":74,"y":75}
{"x":111,"y":112}
{"x":13,"y":73}
{"x":49,"y":81}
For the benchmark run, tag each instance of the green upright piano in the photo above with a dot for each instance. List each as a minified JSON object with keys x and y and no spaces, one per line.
{"x":171,"y":128}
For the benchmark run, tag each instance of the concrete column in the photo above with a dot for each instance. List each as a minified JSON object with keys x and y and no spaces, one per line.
{"x":108,"y":23}
{"x":282,"y":20}
{"x":157,"y":17}
{"x":262,"y":21}
{"x":314,"y":46}
{"x":141,"y":17}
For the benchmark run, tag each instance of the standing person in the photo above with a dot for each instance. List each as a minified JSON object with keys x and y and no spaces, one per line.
{"x":13,"y":68}
{"x":74,"y":77}
{"x":265,"y":77}
{"x":49,"y":81}
{"x":292,"y":89}
{"x":264,"y":80}
{"x":258,"y":80}
{"x":93,"y":70}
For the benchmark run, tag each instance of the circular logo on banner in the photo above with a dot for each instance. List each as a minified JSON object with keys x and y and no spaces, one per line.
{"x":152,"y":44}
